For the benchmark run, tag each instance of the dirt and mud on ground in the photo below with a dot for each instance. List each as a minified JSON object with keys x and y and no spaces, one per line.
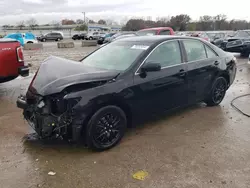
{"x":195,"y":147}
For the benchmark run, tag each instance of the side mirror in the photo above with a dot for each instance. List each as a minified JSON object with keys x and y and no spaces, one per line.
{"x":151,"y":67}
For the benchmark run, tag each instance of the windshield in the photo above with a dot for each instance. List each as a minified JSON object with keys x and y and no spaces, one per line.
{"x":146,"y":32}
{"x":115,"y":56}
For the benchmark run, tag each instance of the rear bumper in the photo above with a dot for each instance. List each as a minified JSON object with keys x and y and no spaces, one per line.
{"x":23,"y":71}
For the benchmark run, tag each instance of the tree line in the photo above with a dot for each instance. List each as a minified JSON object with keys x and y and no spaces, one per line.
{"x":183,"y":22}
{"x":81,"y":24}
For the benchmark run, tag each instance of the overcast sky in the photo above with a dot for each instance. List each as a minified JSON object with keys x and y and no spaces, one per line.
{"x":45,"y":11}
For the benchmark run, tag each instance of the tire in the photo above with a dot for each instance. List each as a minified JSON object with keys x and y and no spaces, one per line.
{"x":58,"y":39}
{"x":29,"y":42}
{"x":43,"y":40}
{"x":90,"y":38}
{"x":107,"y":122}
{"x":218,"y":91}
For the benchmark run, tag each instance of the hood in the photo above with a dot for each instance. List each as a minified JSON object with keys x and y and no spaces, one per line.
{"x":236,"y":38}
{"x":55,"y":74}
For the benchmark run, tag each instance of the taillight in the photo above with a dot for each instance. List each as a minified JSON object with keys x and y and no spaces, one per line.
{"x":19,"y":52}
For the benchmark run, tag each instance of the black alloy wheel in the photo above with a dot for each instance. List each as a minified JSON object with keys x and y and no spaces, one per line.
{"x":218,"y":92}
{"x":106,"y":128}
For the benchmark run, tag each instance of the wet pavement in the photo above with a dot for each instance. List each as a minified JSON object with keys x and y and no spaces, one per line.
{"x":195,"y":147}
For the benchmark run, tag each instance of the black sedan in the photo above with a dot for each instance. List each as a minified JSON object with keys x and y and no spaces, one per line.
{"x":79,"y":36}
{"x":99,"y":97}
{"x":239,"y":43}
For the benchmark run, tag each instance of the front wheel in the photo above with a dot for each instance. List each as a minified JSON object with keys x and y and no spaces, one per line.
{"x":106,"y":128}
{"x":217,"y":92}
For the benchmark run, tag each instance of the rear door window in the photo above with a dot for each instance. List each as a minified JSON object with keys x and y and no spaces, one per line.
{"x":195,"y":50}
{"x":210,"y":52}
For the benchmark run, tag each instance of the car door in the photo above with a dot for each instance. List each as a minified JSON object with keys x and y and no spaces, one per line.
{"x":166,"y":88}
{"x":202,"y":63}
{"x":49,"y":36}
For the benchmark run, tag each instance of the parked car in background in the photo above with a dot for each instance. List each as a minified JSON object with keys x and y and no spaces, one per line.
{"x":239,"y":43}
{"x":95,"y":35}
{"x":98,"y":98}
{"x":219,"y":38}
{"x":101,"y":39}
{"x":23,"y":38}
{"x":156,"y":31}
{"x":118,"y":35}
{"x":55,"y":36}
{"x":11,"y":60}
{"x":205,"y":36}
{"x":81,"y":36}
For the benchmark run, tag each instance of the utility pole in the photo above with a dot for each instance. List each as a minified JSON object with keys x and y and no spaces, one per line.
{"x":84,"y":17}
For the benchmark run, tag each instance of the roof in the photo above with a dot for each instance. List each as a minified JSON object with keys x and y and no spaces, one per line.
{"x":7,"y":40}
{"x":156,"y":28}
{"x":154,"y":38}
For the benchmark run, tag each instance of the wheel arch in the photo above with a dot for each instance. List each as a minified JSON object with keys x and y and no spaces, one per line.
{"x":110,"y":101}
{"x":225,"y":75}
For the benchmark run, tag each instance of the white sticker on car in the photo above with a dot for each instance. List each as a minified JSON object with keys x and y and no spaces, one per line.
{"x":140,"y":47}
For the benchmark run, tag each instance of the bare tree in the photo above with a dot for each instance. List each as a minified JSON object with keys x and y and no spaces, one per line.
{"x":32,"y":23}
{"x":5,"y":27}
{"x":102,"y":22}
{"x":21,"y":24}
{"x":79,"y":21}
{"x":91,"y":21}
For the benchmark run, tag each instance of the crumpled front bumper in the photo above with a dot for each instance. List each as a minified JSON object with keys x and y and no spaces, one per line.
{"x":21,"y":102}
{"x":47,"y":125}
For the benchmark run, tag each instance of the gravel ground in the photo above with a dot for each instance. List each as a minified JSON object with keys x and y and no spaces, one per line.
{"x":35,"y":57}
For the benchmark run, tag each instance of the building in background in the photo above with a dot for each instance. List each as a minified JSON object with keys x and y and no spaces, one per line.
{"x":105,"y":28}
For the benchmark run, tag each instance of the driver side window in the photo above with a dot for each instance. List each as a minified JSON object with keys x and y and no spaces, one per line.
{"x":167,"y":54}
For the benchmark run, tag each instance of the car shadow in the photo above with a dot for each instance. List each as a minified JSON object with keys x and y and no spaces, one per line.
{"x":32,"y":142}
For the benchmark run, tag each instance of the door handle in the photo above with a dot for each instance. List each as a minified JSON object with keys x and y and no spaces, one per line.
{"x":182,"y":73}
{"x":216,"y":63}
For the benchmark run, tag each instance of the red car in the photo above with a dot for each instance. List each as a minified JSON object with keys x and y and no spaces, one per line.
{"x":11,"y":60}
{"x":156,"y":31}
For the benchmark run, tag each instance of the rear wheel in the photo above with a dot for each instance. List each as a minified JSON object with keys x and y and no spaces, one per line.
{"x":217,"y":92}
{"x":106,"y":128}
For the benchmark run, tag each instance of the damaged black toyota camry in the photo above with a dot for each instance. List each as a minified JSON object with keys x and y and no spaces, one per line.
{"x":97,"y":98}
